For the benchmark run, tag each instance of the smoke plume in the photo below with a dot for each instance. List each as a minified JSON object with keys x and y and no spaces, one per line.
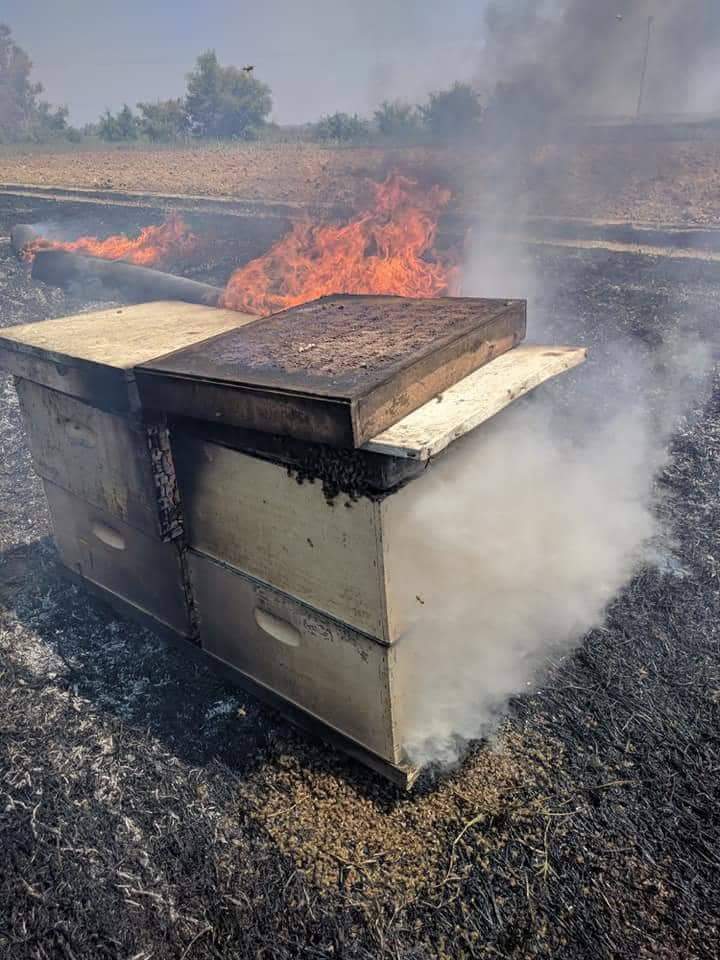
{"x":580,"y":56}
{"x":522,"y":534}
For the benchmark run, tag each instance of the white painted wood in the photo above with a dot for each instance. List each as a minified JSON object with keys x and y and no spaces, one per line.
{"x":477,"y":398}
{"x":92,"y":355}
{"x":253,"y":515}
{"x":334,"y":673}
{"x":124,"y":336}
{"x":140,"y":569}
{"x":100,"y":457}
{"x":351,"y":560}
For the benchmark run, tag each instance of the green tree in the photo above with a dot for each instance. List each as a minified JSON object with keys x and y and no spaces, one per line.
{"x":49,"y":123}
{"x":52,"y":118}
{"x":164,"y":120}
{"x":341,"y":128}
{"x":225,"y":101}
{"x":18,"y":96}
{"x":118,"y":127}
{"x":397,"y":119}
{"x":453,"y":114}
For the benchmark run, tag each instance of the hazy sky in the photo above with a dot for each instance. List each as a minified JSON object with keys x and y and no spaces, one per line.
{"x":318,"y":55}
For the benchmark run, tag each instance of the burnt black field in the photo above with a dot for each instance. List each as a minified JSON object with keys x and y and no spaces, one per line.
{"x":148,"y":810}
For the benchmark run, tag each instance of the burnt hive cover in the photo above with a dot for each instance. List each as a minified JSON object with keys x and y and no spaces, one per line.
{"x":337,"y":370}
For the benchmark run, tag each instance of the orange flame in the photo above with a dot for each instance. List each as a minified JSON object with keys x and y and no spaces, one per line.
{"x":153,"y":245}
{"x":379,"y":252}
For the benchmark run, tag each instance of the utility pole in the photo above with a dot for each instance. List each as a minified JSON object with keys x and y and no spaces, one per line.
{"x":650,"y":22}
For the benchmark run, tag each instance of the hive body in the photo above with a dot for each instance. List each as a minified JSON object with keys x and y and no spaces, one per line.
{"x":107,"y":468}
{"x":305,"y":590}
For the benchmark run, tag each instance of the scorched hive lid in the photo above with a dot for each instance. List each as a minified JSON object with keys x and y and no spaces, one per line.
{"x":337,"y":370}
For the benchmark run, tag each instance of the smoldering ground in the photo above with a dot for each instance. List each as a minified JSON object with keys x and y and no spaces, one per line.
{"x":590,"y":830}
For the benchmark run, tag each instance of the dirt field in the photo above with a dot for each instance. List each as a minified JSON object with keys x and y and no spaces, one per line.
{"x":149,"y":811}
{"x":653,"y":182}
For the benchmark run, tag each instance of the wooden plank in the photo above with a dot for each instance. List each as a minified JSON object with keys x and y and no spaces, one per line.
{"x":100,"y":457}
{"x":477,"y":398}
{"x":92,"y":355}
{"x":142,"y":570}
{"x":336,"y":370}
{"x":251,"y":514}
{"x":332,"y":672}
{"x":124,"y":336}
{"x":393,"y":401}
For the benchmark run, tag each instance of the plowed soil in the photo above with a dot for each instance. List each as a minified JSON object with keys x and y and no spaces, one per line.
{"x":676,"y":182}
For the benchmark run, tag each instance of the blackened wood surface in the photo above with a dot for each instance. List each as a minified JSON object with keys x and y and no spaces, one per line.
{"x":337,"y":370}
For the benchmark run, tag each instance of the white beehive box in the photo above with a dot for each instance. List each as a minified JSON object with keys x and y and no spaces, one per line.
{"x":108,"y":472}
{"x":311,"y":600}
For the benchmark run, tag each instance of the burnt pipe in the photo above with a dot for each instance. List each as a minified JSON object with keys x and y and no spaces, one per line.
{"x":62,"y":268}
{"x":21,"y":236}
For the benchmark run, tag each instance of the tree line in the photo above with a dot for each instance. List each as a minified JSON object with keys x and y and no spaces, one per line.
{"x":24,"y":114}
{"x":222,"y":102}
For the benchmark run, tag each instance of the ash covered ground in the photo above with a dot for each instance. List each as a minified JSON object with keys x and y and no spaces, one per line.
{"x":147,"y":810}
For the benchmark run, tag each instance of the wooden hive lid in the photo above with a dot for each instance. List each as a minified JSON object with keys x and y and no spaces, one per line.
{"x":92,"y":355}
{"x":336,"y":370}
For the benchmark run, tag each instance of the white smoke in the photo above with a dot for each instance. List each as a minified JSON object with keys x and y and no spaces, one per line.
{"x":533,"y":535}
{"x":519,"y":537}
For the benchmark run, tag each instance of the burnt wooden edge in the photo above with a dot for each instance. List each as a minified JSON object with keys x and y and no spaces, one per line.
{"x":108,"y":388}
{"x":148,"y":366}
{"x":317,"y":417}
{"x":449,"y":344}
{"x":266,"y":411}
{"x":385,"y":473}
{"x":431,"y":374}
{"x":401,"y":775}
{"x":305,"y":385}
{"x":162,"y":468}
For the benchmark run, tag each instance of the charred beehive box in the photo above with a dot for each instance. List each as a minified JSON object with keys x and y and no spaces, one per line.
{"x":107,"y":469}
{"x":301,"y":555}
